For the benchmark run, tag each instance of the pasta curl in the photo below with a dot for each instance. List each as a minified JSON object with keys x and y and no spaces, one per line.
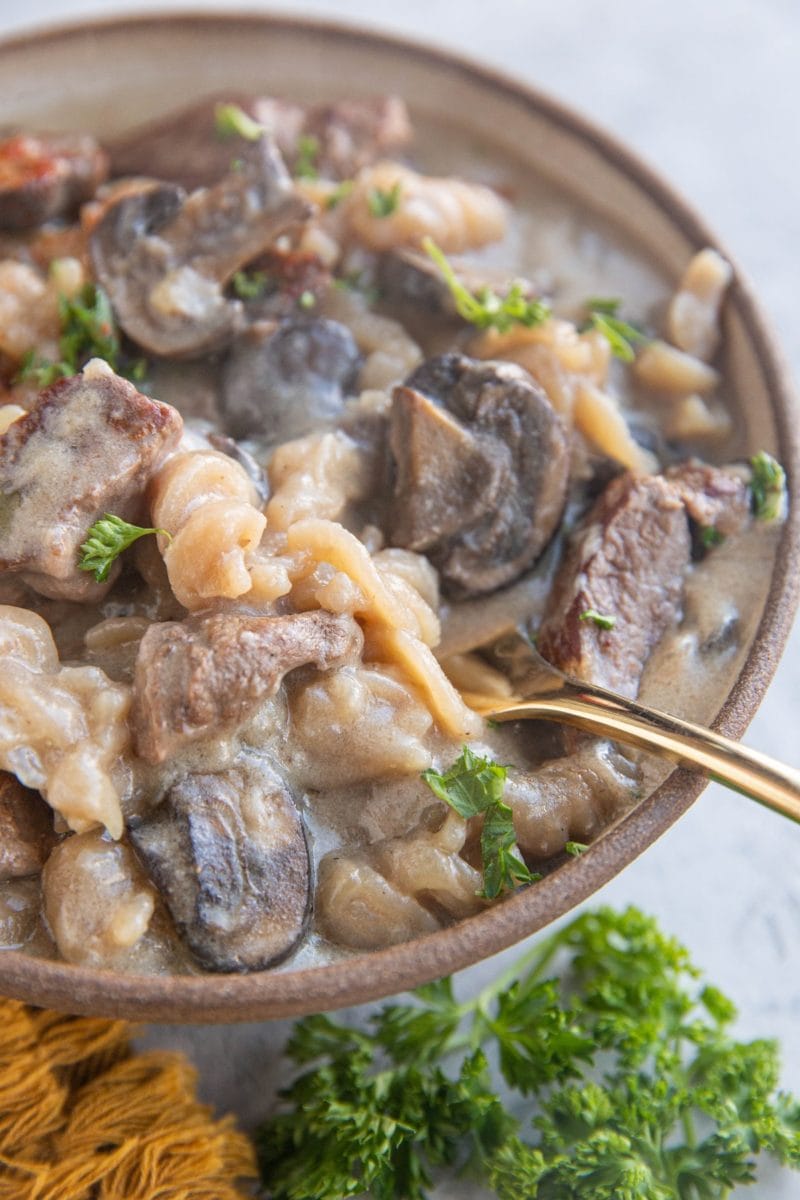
{"x":63,"y":730}
{"x":210,"y":506}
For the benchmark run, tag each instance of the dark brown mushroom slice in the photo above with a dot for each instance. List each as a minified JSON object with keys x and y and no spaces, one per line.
{"x":228,"y":854}
{"x":481,"y":470}
{"x":47,"y":175}
{"x":26,"y":830}
{"x":165,"y":258}
{"x":412,"y":280}
{"x":201,"y":676}
{"x":88,"y":446}
{"x":626,"y":562}
{"x":185,"y":146}
{"x":281,"y":382}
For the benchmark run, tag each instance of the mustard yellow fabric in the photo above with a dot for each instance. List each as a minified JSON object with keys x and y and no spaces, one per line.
{"x":83,"y":1118}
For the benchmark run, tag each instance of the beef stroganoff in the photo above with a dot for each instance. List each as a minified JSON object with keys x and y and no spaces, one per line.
{"x":299,"y":417}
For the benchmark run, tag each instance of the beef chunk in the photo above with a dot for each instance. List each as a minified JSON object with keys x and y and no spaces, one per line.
{"x":626,"y":561}
{"x":282,"y":382}
{"x":88,"y":447}
{"x":26,"y":829}
{"x":200,"y":676}
{"x":228,"y":854}
{"x":47,"y":175}
{"x":165,"y":258}
{"x":482,"y":463}
{"x":185,"y":148}
{"x":715,"y":497}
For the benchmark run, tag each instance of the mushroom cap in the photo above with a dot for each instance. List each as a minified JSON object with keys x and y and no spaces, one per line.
{"x":165,"y":258}
{"x":482,"y":470}
{"x":282,"y":382}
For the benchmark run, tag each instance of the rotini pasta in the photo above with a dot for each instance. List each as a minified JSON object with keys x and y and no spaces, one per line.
{"x":457,"y":215}
{"x":63,"y":730}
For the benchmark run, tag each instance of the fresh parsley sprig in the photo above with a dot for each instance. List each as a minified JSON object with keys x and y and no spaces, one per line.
{"x":249,"y":285}
{"x":305,"y":163}
{"x":106,"y":540}
{"x":473,"y":786}
{"x":639,"y":1090}
{"x":767,"y":487}
{"x":230,"y":120}
{"x":601,"y":620}
{"x":603,"y":315}
{"x":486,"y":309}
{"x":382,"y":202}
{"x":88,"y":330}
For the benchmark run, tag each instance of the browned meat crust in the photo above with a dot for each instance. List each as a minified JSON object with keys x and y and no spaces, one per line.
{"x":47,"y":175}
{"x":89,"y":446}
{"x":204,"y":674}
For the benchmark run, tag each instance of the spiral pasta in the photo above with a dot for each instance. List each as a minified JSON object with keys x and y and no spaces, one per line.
{"x":457,"y":215}
{"x":63,"y":730}
{"x":206,"y":501}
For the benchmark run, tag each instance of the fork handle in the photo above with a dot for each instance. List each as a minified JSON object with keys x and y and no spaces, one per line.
{"x":755,"y":775}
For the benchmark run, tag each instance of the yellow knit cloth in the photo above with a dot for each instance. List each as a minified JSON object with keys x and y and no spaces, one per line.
{"x":83,"y":1118}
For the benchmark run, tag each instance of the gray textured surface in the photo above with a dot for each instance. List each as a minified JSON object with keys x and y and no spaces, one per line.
{"x":708,"y":91}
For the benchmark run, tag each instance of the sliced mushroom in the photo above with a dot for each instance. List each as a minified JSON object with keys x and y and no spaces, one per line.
{"x":47,"y":175}
{"x":412,"y":279}
{"x":282,"y":382}
{"x":202,"y":675}
{"x":89,"y":446}
{"x":482,"y":464}
{"x":26,"y":829}
{"x":165,"y":258}
{"x":228,"y":854}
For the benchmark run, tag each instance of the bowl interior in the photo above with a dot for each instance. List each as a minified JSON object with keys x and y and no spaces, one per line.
{"x":104,"y":77}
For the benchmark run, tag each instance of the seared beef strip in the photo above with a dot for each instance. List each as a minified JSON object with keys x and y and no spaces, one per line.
{"x":26,"y":829}
{"x":715,"y":497}
{"x":165,"y":258}
{"x":89,"y":446}
{"x":228,"y":854}
{"x":482,"y":464}
{"x":627,"y":562}
{"x":47,"y":175}
{"x":202,"y":675}
{"x":185,"y":147}
{"x":282,"y":382}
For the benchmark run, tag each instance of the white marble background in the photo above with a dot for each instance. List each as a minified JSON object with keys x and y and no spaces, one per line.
{"x":709,"y":92}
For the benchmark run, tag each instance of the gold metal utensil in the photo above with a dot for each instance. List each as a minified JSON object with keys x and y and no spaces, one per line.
{"x":553,"y":696}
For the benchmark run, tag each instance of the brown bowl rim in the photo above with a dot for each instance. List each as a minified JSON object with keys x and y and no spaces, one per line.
{"x":370,"y":976}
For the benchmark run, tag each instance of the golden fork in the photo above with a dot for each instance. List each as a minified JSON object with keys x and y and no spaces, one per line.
{"x":552,"y":696}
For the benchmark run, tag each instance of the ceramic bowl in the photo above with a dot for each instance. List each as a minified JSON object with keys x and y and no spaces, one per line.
{"x":108,"y":75}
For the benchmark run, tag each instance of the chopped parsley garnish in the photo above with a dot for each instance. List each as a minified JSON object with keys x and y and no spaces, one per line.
{"x":625,"y":1084}
{"x":249,"y":285}
{"x":711,"y":536}
{"x":307,"y":300}
{"x":305,"y":161}
{"x":88,"y":330}
{"x":602,"y":620}
{"x":474,"y":786}
{"x":339,"y":193}
{"x":767,"y":487}
{"x":382,"y":203}
{"x":106,"y":540}
{"x":620,"y":335}
{"x":232,"y":121}
{"x":484,"y":308}
{"x":575,"y":849}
